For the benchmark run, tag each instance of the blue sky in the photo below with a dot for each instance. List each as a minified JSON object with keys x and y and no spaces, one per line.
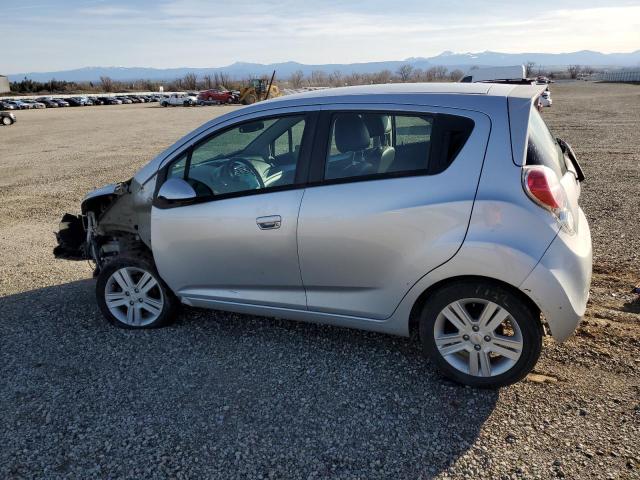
{"x":64,"y":34}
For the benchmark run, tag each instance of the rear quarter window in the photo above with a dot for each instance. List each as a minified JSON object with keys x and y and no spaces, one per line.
{"x":542,"y":148}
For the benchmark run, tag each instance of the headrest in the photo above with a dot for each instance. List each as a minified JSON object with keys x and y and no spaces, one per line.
{"x":351,"y":133}
{"x":377,"y":125}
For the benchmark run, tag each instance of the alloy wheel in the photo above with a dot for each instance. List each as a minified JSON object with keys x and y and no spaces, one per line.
{"x":134,"y":296}
{"x":478,"y":337}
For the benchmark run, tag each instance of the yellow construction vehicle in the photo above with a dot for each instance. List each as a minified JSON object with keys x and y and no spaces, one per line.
{"x":258,"y":90}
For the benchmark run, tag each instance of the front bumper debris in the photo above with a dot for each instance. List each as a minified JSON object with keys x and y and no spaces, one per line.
{"x":71,"y":238}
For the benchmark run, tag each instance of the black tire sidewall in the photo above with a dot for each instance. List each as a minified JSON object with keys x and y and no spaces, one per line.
{"x":529,"y":324}
{"x":170,"y":302}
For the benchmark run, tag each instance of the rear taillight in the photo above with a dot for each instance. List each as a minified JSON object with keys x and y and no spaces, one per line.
{"x":543,"y":186}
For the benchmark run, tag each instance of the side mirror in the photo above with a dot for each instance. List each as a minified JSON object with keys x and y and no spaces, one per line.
{"x":176,"y":189}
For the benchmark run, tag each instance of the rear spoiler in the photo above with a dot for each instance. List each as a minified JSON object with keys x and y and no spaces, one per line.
{"x":520,"y":101}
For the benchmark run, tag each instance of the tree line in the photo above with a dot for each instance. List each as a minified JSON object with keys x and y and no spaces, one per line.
{"x":298,"y":79}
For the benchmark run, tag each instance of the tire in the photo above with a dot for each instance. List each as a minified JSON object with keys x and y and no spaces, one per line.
{"x":7,"y":121}
{"x":250,"y":99}
{"x":164,"y":104}
{"x":132,"y":307}
{"x":476,"y":351}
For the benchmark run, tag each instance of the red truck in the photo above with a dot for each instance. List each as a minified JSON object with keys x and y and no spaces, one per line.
{"x":217,"y":96}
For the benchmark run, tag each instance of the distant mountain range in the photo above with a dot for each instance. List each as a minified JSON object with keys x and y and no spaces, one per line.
{"x":448,"y":59}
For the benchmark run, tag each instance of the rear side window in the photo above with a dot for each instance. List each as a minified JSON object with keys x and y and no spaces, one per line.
{"x":542,"y":148}
{"x":377,"y":144}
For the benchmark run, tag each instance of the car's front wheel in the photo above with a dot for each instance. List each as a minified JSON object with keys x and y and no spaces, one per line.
{"x":132,"y":295}
{"x":481,"y":334}
{"x":7,"y":120}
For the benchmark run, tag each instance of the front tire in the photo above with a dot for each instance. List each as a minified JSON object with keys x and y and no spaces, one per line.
{"x":7,"y":121}
{"x":250,"y":99}
{"x":132,"y":295}
{"x":481,"y":334}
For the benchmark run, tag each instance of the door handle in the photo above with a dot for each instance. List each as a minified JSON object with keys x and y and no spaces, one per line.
{"x":271,"y":222}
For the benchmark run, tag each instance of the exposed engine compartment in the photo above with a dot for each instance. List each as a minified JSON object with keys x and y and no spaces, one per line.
{"x":113,"y":218}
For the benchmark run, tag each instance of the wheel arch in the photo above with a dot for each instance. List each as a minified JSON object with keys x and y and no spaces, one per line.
{"x":423,"y":298}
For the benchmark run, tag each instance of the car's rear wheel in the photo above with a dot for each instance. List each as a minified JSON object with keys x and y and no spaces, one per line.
{"x":164,"y":104}
{"x":481,"y":334}
{"x":132,"y":295}
{"x":7,"y":120}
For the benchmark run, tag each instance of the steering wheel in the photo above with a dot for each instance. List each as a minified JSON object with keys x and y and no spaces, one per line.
{"x":201,"y":188}
{"x":239,"y":167}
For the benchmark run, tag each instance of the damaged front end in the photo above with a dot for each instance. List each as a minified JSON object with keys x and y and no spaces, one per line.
{"x":112,"y":218}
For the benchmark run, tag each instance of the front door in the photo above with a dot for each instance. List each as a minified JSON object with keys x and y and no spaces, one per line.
{"x":237,"y":241}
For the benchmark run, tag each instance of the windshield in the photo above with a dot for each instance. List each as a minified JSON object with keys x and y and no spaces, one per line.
{"x":542,"y":148}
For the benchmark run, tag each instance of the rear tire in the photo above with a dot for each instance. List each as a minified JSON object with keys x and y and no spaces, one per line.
{"x":131,"y":294}
{"x":481,"y":334}
{"x":164,"y":104}
{"x":7,"y":121}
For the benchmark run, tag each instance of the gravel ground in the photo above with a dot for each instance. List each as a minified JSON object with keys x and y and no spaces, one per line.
{"x":220,"y":395}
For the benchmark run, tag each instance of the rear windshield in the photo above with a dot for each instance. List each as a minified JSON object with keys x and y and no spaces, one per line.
{"x":542,"y":148}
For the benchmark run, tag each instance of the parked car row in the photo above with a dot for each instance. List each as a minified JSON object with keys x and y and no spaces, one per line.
{"x":207,"y":97}
{"x":78,"y":101}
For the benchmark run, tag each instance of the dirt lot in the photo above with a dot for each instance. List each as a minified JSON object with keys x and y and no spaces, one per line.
{"x":226,"y":396}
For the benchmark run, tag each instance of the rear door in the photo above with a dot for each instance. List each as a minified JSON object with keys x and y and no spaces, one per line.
{"x":370,"y":228}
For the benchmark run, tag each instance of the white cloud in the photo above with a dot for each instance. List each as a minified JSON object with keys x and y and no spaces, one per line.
{"x":209,"y":33}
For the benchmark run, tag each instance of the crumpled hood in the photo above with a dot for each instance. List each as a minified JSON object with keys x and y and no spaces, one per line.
{"x":99,"y":192}
{"x":106,"y":191}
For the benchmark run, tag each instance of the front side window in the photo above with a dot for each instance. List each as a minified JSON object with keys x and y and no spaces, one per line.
{"x":365,"y":144}
{"x":256,"y":155}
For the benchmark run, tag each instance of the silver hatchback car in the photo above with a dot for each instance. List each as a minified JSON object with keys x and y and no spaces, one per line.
{"x":445,"y":210}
